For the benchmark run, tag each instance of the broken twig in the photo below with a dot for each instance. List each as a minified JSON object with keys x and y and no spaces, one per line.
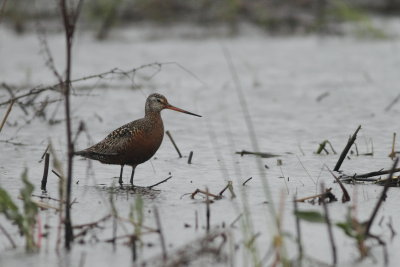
{"x":190,"y":157}
{"x":322,"y":195}
{"x":206,"y":193}
{"x":369,"y":174}
{"x":346,"y":150}
{"x":345,"y":196}
{"x":260,"y":154}
{"x":163,"y":181}
{"x":245,"y":182}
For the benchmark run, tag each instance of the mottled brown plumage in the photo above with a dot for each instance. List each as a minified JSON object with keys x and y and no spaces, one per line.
{"x":135,"y":142}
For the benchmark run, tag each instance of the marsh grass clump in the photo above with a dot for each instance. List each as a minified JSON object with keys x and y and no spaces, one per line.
{"x":106,"y":13}
{"x":344,"y":12}
{"x":277,"y":17}
{"x":25,"y":220}
{"x":323,"y":147}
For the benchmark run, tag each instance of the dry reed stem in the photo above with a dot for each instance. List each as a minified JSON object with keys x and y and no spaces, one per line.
{"x":381,"y":198}
{"x":208,"y":214}
{"x":392,"y":154}
{"x":42,"y":204}
{"x":8,"y":236}
{"x":160,"y":233}
{"x":173,"y":143}
{"x":369,"y":174}
{"x":329,"y":226}
{"x":394,"y":101}
{"x":298,"y":232}
{"x":45,"y":172}
{"x":346,"y":149}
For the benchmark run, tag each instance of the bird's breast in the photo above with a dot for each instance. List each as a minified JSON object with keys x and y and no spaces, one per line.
{"x":145,"y":143}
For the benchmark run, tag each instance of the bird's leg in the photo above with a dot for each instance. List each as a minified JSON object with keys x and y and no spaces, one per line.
{"x":133,"y":173}
{"x":120,"y":176}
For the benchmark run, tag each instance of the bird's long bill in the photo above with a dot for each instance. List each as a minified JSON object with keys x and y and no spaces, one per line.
{"x":181,"y":110}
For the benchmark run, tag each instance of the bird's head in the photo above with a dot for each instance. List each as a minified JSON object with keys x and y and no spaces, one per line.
{"x":157,"y":102}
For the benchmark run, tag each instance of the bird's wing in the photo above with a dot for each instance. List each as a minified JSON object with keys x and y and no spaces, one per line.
{"x":117,"y":141}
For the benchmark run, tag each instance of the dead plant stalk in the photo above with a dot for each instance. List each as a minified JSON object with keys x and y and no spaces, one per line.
{"x":69,"y":18}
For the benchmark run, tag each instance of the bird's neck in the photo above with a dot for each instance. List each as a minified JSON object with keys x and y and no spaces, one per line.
{"x":152,"y":114}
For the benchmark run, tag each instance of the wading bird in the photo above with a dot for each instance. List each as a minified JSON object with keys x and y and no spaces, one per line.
{"x":135,"y":142}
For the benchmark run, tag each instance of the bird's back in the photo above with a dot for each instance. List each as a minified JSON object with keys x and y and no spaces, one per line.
{"x":130,"y":144}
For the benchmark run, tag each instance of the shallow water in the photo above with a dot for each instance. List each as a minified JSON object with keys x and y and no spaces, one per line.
{"x":281,"y":78}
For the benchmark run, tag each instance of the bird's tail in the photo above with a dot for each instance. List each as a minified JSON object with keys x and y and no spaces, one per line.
{"x":82,"y":153}
{"x":95,"y":155}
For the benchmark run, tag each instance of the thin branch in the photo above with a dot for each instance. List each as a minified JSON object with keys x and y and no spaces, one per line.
{"x":49,"y":61}
{"x":6,"y":115}
{"x":10,"y":91}
{"x":114,"y":71}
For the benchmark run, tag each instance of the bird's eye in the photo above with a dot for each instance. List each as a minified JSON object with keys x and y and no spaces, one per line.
{"x":159,"y":100}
